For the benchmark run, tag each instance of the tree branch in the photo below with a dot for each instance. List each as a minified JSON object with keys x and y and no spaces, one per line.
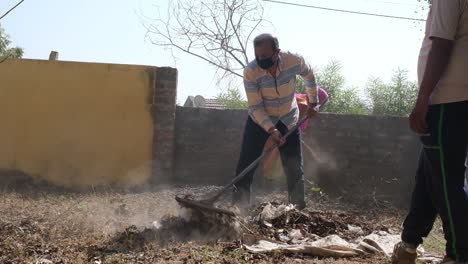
{"x":244,"y":52}
{"x":216,"y":31}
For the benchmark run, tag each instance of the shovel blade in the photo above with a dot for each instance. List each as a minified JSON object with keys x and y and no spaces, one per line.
{"x":203,"y":206}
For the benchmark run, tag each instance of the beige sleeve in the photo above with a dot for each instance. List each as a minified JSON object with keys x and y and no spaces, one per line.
{"x":255,"y":100}
{"x":445,"y":15}
{"x":307,"y":74}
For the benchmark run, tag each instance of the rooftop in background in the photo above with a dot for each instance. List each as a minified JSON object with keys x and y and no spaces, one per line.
{"x":201,"y":102}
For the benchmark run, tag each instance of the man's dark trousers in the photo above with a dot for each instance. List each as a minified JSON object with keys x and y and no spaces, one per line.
{"x":440,"y":179}
{"x":253,"y":142}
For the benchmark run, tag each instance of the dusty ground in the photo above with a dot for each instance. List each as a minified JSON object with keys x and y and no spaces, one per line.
{"x":115,"y":227}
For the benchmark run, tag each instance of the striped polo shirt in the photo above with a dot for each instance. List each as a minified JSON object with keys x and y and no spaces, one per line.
{"x":271,"y":98}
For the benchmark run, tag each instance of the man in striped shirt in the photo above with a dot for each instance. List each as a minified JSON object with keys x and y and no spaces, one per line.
{"x":269,"y":83}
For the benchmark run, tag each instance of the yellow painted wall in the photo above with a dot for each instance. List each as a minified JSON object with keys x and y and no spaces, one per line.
{"x":76,"y":124}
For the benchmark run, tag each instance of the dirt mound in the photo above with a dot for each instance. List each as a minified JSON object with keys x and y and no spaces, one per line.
{"x":321,"y":223}
{"x":191,"y":226}
{"x":276,"y":221}
{"x":115,"y":227}
{"x":210,"y":228}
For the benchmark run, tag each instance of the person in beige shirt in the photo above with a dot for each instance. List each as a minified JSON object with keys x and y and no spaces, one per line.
{"x":440,"y":119}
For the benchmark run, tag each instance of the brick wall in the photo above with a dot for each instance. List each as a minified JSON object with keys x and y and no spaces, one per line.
{"x":207,"y":144}
{"x":163,"y":111}
{"x":365,"y":158}
{"x":355,"y":157}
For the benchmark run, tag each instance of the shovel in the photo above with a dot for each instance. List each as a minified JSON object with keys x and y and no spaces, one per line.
{"x":207,"y":204}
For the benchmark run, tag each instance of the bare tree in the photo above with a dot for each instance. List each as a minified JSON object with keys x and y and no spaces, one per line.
{"x":216,"y":31}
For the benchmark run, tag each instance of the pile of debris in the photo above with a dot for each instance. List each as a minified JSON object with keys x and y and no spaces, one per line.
{"x":271,"y":228}
{"x":285,"y":218}
{"x":282,"y":228}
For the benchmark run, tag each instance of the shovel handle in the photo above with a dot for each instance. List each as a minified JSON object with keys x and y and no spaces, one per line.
{"x":270,"y":149}
{"x":252,"y":165}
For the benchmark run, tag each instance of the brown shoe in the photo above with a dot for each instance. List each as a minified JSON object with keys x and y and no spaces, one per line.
{"x":404,"y":253}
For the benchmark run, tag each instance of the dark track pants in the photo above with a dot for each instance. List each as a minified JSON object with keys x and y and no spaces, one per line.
{"x":253,"y":142}
{"x":440,"y":180}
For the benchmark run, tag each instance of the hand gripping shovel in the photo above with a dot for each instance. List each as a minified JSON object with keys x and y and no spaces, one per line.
{"x":207,"y":204}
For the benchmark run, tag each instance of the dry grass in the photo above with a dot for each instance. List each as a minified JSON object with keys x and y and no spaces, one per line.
{"x":83,"y":228}
{"x":435,"y":242}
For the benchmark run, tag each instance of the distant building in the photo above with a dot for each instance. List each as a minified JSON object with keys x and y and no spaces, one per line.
{"x":201,"y":102}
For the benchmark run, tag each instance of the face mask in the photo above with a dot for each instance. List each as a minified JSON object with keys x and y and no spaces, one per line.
{"x":265,"y":63}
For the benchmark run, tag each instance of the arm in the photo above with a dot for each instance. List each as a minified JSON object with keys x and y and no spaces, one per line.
{"x":437,"y":62}
{"x":442,"y":31}
{"x":310,"y":84}
{"x":256,"y":107}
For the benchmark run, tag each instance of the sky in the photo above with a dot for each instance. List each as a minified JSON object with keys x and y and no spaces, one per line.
{"x":111,"y":31}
